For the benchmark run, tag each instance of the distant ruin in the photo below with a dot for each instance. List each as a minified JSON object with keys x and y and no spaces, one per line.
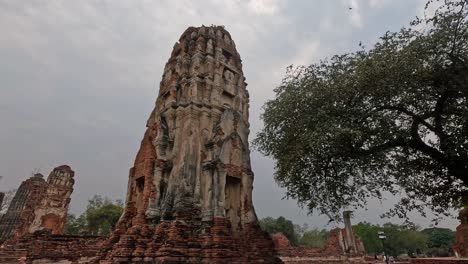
{"x":341,"y":245}
{"x":460,"y":247}
{"x":39,"y":205}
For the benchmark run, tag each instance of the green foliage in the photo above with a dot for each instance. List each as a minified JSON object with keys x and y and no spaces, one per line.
{"x":401,"y":239}
{"x":314,"y":238}
{"x":368,"y":234}
{"x":440,"y":241}
{"x":75,"y":225}
{"x":392,"y":118}
{"x":297,"y":235}
{"x":439,"y":237}
{"x":280,"y":224}
{"x":100,"y":217}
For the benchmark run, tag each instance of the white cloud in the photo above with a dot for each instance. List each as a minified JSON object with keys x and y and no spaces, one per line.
{"x":263,"y":7}
{"x":307,"y":53}
{"x":355,"y":14}
{"x":378,"y":3}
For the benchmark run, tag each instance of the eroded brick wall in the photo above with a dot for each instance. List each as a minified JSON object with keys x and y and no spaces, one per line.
{"x":39,"y":205}
{"x":460,"y":246}
{"x":438,"y":261}
{"x":20,"y":213}
{"x":51,"y":212}
{"x":44,"y":247}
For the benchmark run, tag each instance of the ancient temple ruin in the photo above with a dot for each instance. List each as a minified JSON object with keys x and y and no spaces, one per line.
{"x":190,"y":190}
{"x":51,"y":213}
{"x":342,"y":246}
{"x":38,"y":205}
{"x":460,"y":247}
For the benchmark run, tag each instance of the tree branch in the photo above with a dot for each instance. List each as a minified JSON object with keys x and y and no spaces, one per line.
{"x":418,"y":144}
{"x":398,"y":142}
{"x":438,"y":120}
{"x":460,"y":16}
{"x":422,"y":119}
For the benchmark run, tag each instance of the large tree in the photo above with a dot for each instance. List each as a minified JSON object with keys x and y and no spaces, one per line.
{"x":439,"y":241}
{"x":100,"y":217}
{"x":390,"y":118}
{"x":314,"y":238}
{"x":400,"y":239}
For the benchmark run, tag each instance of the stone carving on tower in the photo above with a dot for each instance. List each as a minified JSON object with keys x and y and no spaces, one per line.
{"x":192,"y":174}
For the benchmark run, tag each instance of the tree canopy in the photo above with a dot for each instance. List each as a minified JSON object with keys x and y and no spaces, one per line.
{"x":100,"y":217}
{"x":439,"y":241}
{"x":297,"y":235}
{"x":314,"y":238}
{"x":400,"y":239}
{"x":390,"y":118}
{"x":280,"y":224}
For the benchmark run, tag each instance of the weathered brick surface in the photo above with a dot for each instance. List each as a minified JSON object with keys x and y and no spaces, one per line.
{"x":48,"y":248}
{"x":325,"y":260}
{"x":334,"y":250}
{"x":460,"y":246}
{"x":20,"y":214}
{"x":51,"y":212}
{"x":280,"y":241}
{"x":39,"y":205}
{"x":438,"y":261}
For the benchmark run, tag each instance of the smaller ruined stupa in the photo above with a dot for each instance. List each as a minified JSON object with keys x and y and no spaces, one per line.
{"x":39,"y":205}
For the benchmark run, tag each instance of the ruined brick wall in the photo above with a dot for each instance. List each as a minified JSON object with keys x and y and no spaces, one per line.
{"x":334,"y":250}
{"x":51,"y":213}
{"x":460,"y":246}
{"x":38,"y":205}
{"x":20,"y":213}
{"x":190,"y":190}
{"x":44,"y":247}
{"x":438,"y":261}
{"x":280,"y":241}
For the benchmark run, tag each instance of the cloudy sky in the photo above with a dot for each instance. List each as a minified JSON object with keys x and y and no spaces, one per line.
{"x":79,"y":79}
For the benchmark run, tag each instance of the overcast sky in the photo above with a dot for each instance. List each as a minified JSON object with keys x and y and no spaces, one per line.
{"x":79,"y":79}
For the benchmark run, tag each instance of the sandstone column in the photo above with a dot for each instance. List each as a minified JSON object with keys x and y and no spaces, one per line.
{"x":349,"y":234}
